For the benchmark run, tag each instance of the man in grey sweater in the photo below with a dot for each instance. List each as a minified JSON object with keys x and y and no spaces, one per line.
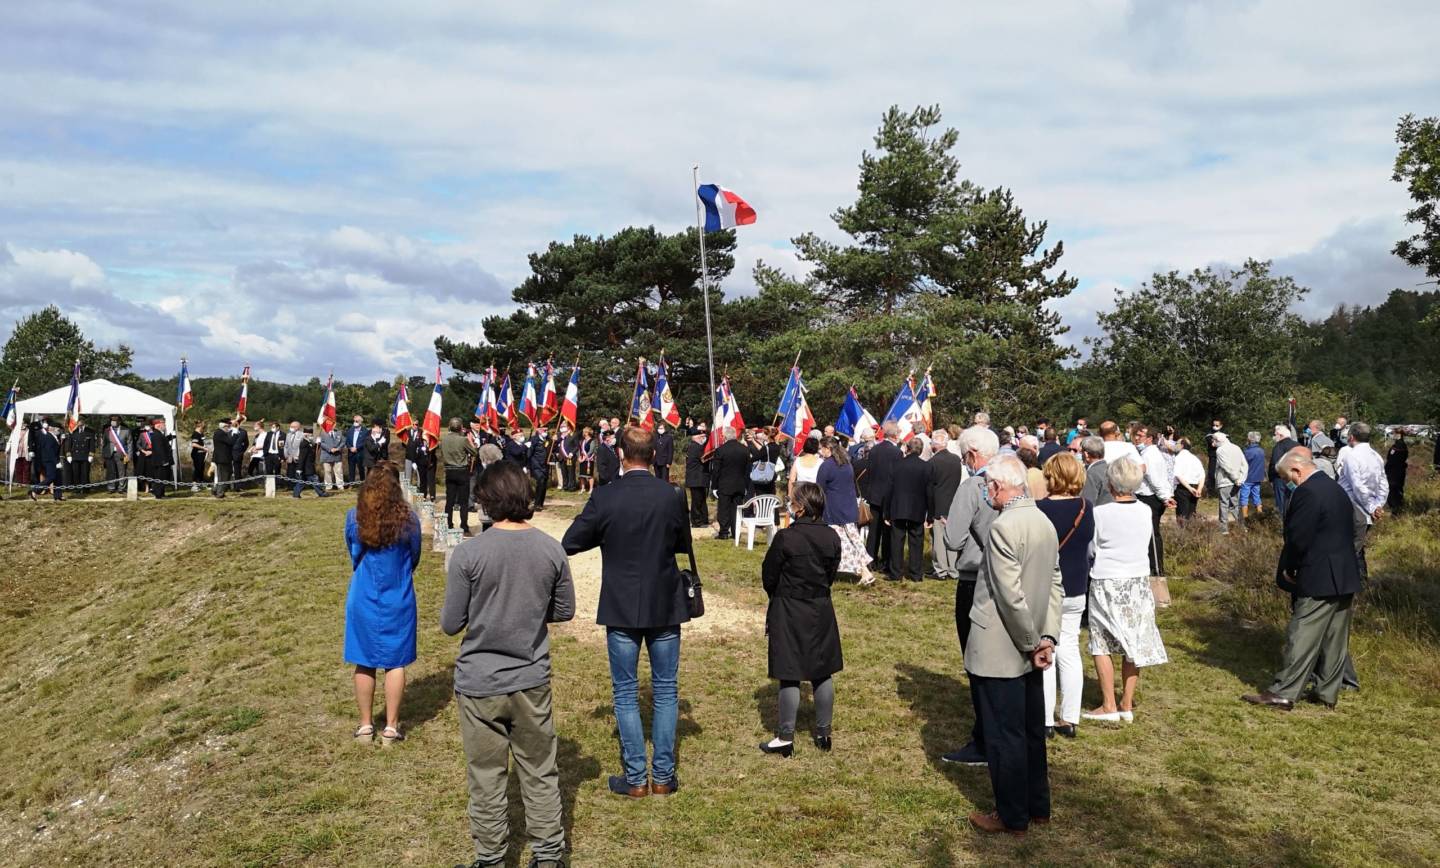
{"x":967,"y":526}
{"x":502,"y":588}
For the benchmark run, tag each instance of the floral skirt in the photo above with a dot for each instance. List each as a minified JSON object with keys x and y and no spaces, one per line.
{"x":1122,"y":621}
{"x":853,"y":557}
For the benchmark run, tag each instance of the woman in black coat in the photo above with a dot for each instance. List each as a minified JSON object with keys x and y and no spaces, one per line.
{"x":804,"y":638}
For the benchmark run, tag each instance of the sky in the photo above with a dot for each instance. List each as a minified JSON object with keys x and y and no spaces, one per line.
{"x":307,"y":186}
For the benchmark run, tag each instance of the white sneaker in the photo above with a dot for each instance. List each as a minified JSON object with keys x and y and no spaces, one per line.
{"x":1127,"y":716}
{"x":1105,"y":717}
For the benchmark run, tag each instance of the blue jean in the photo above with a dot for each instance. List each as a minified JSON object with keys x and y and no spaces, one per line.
{"x":623,"y":647}
{"x":1282,"y":495}
{"x":1249,"y":494}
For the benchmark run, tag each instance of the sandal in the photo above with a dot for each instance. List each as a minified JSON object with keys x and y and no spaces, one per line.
{"x":364,"y":733}
{"x":866,"y":581}
{"x":391,"y":735}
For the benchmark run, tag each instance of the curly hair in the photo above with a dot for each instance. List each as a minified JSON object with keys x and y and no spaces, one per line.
{"x":381,"y":511}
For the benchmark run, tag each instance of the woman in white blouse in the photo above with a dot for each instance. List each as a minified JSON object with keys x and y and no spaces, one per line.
{"x":1122,"y":609}
{"x":1189,"y":482}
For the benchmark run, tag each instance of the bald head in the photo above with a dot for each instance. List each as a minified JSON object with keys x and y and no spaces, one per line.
{"x":1296,"y":465}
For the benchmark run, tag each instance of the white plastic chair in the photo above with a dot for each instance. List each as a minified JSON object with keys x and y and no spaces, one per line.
{"x":765,"y":507}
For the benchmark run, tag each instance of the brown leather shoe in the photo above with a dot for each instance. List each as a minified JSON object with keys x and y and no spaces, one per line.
{"x":665,"y":789}
{"x":991,"y":824}
{"x":1273,"y":700}
{"x":621,"y":787}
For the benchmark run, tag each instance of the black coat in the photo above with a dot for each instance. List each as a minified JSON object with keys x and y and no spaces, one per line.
{"x":799,"y":568}
{"x":696,"y":473}
{"x":1276,"y":453}
{"x":1319,"y":541}
{"x":730,"y":469}
{"x":46,"y":446}
{"x":224,"y":442}
{"x":419,"y":453}
{"x":79,"y":444}
{"x":607,"y":464}
{"x":376,"y":452}
{"x":883,"y":458}
{"x":947,"y":471}
{"x":664,"y":449}
{"x":539,"y":457}
{"x":909,"y":498}
{"x":162,"y":452}
{"x":639,"y":526}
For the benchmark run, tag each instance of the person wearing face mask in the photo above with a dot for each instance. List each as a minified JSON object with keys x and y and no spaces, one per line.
{"x":1212,"y":444}
{"x":355,"y":450}
{"x":159,"y":456}
{"x":304,"y":467}
{"x":273,"y":449}
{"x":45,"y":445}
{"x":78,"y":446}
{"x":115,"y":452}
{"x":293,"y":450}
{"x":377,"y":446}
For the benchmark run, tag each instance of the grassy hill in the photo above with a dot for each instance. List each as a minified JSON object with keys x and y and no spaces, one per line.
{"x":174,"y":693}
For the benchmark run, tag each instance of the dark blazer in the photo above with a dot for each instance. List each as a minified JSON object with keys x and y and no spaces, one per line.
{"x":1319,"y":541}
{"x":947,"y":471}
{"x":730,"y":469}
{"x":664,"y":449}
{"x":419,"y":453}
{"x":1049,"y":448}
{"x":909,"y":491}
{"x":696,"y":473}
{"x":539,"y":453}
{"x":638,"y":526}
{"x":883,"y":458}
{"x":162,"y":449}
{"x":79,"y":444}
{"x":224,"y":443}
{"x":46,"y":446}
{"x":1276,"y":453}
{"x":376,"y":452}
{"x":800,"y":624}
{"x":607,"y":464}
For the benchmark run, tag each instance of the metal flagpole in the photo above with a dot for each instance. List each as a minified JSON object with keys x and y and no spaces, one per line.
{"x":704,"y":283}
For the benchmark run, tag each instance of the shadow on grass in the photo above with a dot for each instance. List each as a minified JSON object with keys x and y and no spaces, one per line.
{"x":1250,"y":653}
{"x":943,"y":705}
{"x":427,"y":697}
{"x":575,"y":769}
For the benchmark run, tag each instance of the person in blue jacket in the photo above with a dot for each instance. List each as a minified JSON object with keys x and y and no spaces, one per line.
{"x":1250,"y":488}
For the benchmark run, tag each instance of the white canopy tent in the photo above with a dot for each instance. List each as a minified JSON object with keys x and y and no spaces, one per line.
{"x":97,"y":398}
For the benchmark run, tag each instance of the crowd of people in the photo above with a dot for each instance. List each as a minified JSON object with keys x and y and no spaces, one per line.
{"x":1042,"y":533}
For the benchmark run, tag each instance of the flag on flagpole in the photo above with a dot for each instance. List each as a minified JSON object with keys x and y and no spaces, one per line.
{"x":570,"y":409}
{"x":798,"y":421}
{"x":549,"y":400}
{"x":788,"y":395}
{"x":184,"y":397}
{"x":922,"y":401}
{"x":326,"y":417}
{"x":244,"y":392}
{"x":529,"y":406}
{"x":727,"y":415}
{"x":72,"y":406}
{"x":640,"y":399}
{"x":430,"y":424}
{"x":8,"y":413}
{"x":664,"y":402}
{"x":505,"y":405}
{"x":400,"y":420}
{"x":853,"y":417}
{"x":905,"y":412}
{"x":723,"y":208}
{"x":1290,"y":417}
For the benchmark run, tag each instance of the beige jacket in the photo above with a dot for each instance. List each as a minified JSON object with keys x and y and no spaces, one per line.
{"x":1017,"y":596}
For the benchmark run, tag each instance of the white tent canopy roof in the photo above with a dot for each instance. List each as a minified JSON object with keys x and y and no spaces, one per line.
{"x":97,"y":398}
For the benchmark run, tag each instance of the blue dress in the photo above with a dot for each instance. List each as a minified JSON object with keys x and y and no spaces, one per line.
{"x":380,"y":611}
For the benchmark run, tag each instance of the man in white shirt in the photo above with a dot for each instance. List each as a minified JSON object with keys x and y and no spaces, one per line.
{"x":1157,"y":491}
{"x":1362,"y":475}
{"x":1115,"y":445}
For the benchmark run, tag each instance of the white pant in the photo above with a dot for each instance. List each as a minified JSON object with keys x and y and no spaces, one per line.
{"x":1067,"y":662}
{"x":333,"y":473}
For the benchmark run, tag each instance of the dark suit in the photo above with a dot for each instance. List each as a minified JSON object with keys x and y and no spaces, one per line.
{"x":908,"y":509}
{"x":162,"y":456}
{"x":947,"y":471}
{"x":697,"y":481}
{"x":730,"y":477}
{"x":539,"y":467}
{"x":879,"y":474}
{"x":376,"y":451}
{"x":1277,"y":485}
{"x":114,"y":458}
{"x":607,"y":464}
{"x":223,"y":458}
{"x":664,"y":455}
{"x":78,"y":446}
{"x":419,"y":453}
{"x":46,"y":446}
{"x":1319,"y":569}
{"x":355,"y":437}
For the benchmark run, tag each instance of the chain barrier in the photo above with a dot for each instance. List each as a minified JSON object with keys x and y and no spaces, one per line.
{"x":119,"y":484}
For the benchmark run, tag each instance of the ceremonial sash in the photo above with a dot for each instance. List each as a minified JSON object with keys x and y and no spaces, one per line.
{"x":115,"y":441}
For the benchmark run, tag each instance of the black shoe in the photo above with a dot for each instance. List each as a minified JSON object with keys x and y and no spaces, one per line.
{"x":1068,"y":730}
{"x":886,"y":576}
{"x":822,"y":742}
{"x":931,"y":574}
{"x":969,"y":755}
{"x":784,"y":750}
{"x":1049,"y":733}
{"x":912,"y":579}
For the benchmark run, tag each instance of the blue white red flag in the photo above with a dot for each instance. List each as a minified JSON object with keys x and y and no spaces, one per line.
{"x":505,"y":404}
{"x":549,"y":400}
{"x":640,"y":399}
{"x":570,"y":409}
{"x":430,"y":424}
{"x":664,"y":402}
{"x":8,"y":413}
{"x":529,"y":406}
{"x":244,"y":392}
{"x":723,"y":208}
{"x":922,"y":400}
{"x":727,"y":415}
{"x":72,"y":406}
{"x":326,"y":418}
{"x":184,"y":397}
{"x":400,"y":420}
{"x":797,"y":421}
{"x":905,"y":412}
{"x":853,"y":417}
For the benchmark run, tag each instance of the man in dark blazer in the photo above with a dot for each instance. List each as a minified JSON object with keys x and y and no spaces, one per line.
{"x":607,"y":461}
{"x":1284,"y":442}
{"x":223,"y":456}
{"x":1319,"y":569}
{"x":907,"y":512}
{"x":639,"y":526}
{"x":161,"y":457}
{"x":664,"y":451}
{"x":879,"y":474}
{"x":45,"y":444}
{"x":947,"y":471}
{"x":115,"y":452}
{"x":355,"y":449}
{"x":730,"y":475}
{"x":697,"y":478}
{"x":78,"y":447}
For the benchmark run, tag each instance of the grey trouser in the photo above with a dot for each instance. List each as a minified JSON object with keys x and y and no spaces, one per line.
{"x":1229,"y":504}
{"x":1319,"y":633}
{"x":945,"y":558}
{"x":494,"y":728}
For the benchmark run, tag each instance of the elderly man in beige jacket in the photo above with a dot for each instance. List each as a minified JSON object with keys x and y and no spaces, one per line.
{"x":1013,"y":625}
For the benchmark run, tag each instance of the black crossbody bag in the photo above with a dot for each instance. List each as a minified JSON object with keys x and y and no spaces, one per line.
{"x":694,"y":590}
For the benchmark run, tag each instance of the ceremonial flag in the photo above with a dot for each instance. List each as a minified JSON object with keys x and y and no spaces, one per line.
{"x":529,"y":406}
{"x":549,"y":400}
{"x":723,"y":208}
{"x":788,"y":395}
{"x":400,"y":420}
{"x":798,"y":421}
{"x":505,"y":404}
{"x":640,"y":400}
{"x":8,"y":413}
{"x":905,"y":412}
{"x":430,"y":424}
{"x":244,"y":391}
{"x":72,"y":406}
{"x":664,"y":402}
{"x":326,"y":419}
{"x":184,"y":398}
{"x":1290,"y":417}
{"x":853,"y":417}
{"x":922,"y":400}
{"x":570,"y":409}
{"x":727,"y":415}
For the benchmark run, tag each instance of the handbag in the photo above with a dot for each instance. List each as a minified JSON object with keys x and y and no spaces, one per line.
{"x":1160,"y":590}
{"x":694,"y":589}
{"x":863,"y":512}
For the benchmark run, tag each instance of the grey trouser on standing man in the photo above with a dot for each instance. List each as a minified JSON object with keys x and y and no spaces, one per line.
{"x":945,"y":559}
{"x":1319,"y":633}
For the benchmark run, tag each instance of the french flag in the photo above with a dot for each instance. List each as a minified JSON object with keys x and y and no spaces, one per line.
{"x":400,"y":420}
{"x":549,"y":400}
{"x":570,"y":409}
{"x":505,"y":404}
{"x":326,"y":419}
{"x":529,"y":406}
{"x":72,"y":407}
{"x":184,"y":397}
{"x":724,"y":209}
{"x":727,"y":415}
{"x":244,"y":392}
{"x":431,"y":423}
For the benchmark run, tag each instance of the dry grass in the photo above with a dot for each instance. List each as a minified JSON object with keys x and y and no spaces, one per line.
{"x":175,"y":694}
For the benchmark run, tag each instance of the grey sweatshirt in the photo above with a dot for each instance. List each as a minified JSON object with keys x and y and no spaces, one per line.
{"x":968,"y":526}
{"x":502,"y":588}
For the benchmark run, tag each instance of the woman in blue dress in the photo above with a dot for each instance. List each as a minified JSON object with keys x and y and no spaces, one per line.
{"x":383,"y":536}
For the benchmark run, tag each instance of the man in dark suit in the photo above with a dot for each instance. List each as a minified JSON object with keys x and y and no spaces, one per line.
{"x":160,"y":457}
{"x":1284,"y":442}
{"x":273,"y":449}
{"x":377,"y":446}
{"x":664,"y":451}
{"x":538,"y":463}
{"x":879,"y":474}
{"x":947,"y":471}
{"x":115,"y":452}
{"x":607,"y":462}
{"x":639,"y":526}
{"x":907,"y":512}
{"x":730,"y":475}
{"x":45,"y":444}
{"x":697,"y":478}
{"x":355,"y":449}
{"x":239,"y":449}
{"x":223,"y":456}
{"x":79,"y":445}
{"x":1319,"y":569}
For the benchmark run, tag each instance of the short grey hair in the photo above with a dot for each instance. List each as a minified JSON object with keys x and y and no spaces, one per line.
{"x":890,"y":429}
{"x":1029,"y":441}
{"x":1298,"y":457}
{"x":982,"y":418}
{"x":1360,"y":431}
{"x":1092,"y":446}
{"x":1282,"y":431}
{"x":939,"y":438}
{"x":981,"y":441}
{"x":1124,"y":475}
{"x":727,"y":433}
{"x":866,"y":435}
{"x":1254,"y":436}
{"x":1006,"y":470}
